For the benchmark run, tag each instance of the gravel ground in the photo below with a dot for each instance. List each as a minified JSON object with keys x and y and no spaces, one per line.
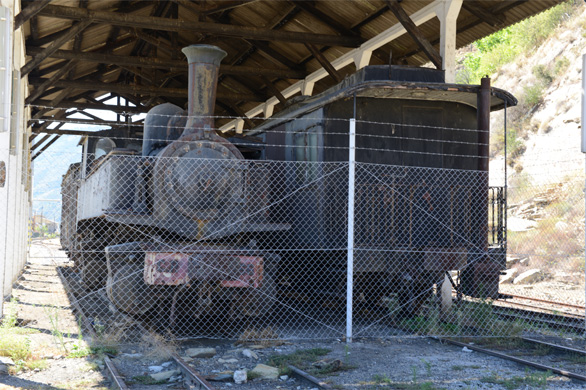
{"x":399,"y":363}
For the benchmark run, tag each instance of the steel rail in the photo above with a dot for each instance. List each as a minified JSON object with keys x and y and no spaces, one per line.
{"x":113,"y":371}
{"x":196,"y":380}
{"x":514,"y":359}
{"x":556,"y":346}
{"x":547,"y":301}
{"x":551,"y":320}
{"x":304,"y":376}
{"x":499,"y":303}
{"x":189,"y":374}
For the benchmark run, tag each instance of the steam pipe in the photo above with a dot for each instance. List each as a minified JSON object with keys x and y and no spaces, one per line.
{"x":204,"y":63}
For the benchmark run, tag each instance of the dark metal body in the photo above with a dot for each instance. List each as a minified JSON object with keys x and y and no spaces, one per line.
{"x":427,"y":134}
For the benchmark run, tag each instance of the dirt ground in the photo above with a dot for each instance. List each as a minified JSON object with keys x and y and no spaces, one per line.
{"x":395,"y":363}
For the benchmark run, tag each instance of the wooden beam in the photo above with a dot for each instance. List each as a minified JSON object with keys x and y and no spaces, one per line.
{"x":191,"y":7}
{"x":45,"y":147}
{"x":324,"y":62}
{"x":40,"y":142}
{"x":273,"y":55}
{"x":325,"y":18}
{"x":66,"y":132}
{"x":159,"y":43}
{"x":236,"y":111}
{"x":274,"y":90}
{"x":158,"y":23}
{"x":473,"y":21}
{"x":483,"y":14}
{"x":62,"y":95}
{"x":83,"y":121}
{"x":28,"y":12}
{"x":414,"y":32}
{"x":66,"y":104}
{"x":49,"y":83}
{"x":140,"y":89}
{"x":53,"y":47}
{"x":226,"y":5}
{"x":171,"y":65}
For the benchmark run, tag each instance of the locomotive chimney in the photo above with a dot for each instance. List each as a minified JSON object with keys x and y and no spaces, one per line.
{"x":204,"y":62}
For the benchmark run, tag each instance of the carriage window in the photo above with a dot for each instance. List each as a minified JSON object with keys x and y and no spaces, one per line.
{"x":104,"y":146}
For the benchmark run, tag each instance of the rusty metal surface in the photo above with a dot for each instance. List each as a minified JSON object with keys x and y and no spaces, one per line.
{"x":192,"y":378}
{"x":179,"y":268}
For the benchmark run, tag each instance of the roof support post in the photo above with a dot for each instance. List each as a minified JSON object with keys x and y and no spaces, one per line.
{"x":447,"y":12}
{"x":411,"y":27}
{"x":307,"y":87}
{"x":362,"y":58}
{"x":268,"y":110}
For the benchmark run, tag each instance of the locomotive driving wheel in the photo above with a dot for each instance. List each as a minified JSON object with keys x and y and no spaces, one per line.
{"x":415,"y":291}
{"x":257,"y":302}
{"x":127,"y":290}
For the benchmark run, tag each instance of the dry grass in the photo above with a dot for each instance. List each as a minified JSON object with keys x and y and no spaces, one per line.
{"x":266,"y":337}
{"x":158,"y":347}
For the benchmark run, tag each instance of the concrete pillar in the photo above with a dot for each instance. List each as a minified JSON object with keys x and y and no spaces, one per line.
{"x":447,"y":12}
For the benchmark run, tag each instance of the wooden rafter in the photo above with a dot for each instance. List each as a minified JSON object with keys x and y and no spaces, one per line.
{"x":325,"y":18}
{"x":140,"y":89}
{"x":28,"y":12}
{"x":45,"y":147}
{"x":66,"y":104}
{"x":324,"y":63}
{"x":53,"y":47}
{"x":414,"y":32}
{"x":158,"y":23}
{"x":274,"y":90}
{"x":227,"y":5}
{"x":471,"y":22}
{"x":172,"y":65}
{"x":50,"y":81}
{"x":483,"y":14}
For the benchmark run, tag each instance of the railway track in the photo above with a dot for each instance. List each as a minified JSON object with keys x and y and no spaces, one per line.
{"x":546,"y":318}
{"x":514,"y":356}
{"x":191,"y":378}
{"x":542,"y":305}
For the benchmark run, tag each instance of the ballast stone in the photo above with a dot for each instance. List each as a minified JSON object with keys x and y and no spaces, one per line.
{"x":266,"y":372}
{"x":201,"y":352}
{"x":527,"y":277}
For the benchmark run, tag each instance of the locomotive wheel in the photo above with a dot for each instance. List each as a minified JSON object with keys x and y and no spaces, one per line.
{"x":93,"y":271}
{"x":257,"y":302}
{"x":127,"y":290}
{"x":414,"y":294}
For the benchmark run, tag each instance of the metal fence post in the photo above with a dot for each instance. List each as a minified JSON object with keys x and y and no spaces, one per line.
{"x":584,"y":151}
{"x":350,"y":265}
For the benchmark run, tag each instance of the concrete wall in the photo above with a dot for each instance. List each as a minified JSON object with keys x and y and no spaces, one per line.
{"x":15,"y":195}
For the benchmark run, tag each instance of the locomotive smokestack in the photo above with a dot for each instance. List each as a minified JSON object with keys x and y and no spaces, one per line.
{"x":204,"y":62}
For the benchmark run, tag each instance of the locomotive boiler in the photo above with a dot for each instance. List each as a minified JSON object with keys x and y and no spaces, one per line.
{"x":190,"y":219}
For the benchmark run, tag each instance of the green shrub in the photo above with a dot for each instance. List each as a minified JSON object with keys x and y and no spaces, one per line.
{"x":503,"y":46}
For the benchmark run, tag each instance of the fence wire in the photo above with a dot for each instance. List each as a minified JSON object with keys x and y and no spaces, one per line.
{"x":219,"y":247}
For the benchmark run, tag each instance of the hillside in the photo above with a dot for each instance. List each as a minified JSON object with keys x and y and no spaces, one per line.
{"x":545,"y":168}
{"x":549,"y":129}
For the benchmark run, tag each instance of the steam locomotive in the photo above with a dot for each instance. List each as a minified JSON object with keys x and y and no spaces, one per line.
{"x":189,"y":219}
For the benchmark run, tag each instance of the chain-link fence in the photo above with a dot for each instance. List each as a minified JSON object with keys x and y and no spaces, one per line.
{"x":210,"y":245}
